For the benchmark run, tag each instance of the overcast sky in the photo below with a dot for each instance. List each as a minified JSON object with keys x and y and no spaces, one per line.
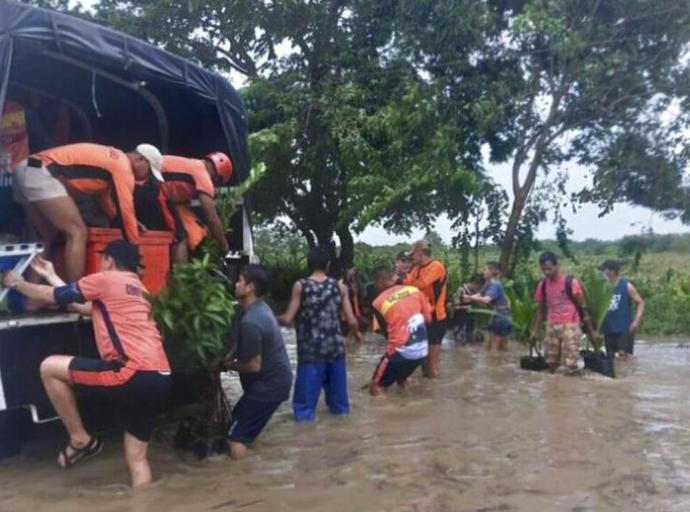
{"x":624,"y":220}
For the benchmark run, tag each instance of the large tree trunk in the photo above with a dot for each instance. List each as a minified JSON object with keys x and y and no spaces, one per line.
{"x":347,"y":247}
{"x":521,"y":195}
{"x":538,"y":141}
{"x":511,"y":229}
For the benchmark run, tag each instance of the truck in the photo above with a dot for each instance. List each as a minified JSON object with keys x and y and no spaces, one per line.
{"x":76,"y":81}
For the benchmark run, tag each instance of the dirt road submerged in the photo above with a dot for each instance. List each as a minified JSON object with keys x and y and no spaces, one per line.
{"x":486,"y":436}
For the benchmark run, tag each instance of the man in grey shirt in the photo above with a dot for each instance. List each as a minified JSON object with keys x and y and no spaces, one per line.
{"x":260,"y":359}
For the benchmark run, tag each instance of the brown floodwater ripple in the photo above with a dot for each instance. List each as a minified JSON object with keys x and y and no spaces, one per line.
{"x":486,"y":436}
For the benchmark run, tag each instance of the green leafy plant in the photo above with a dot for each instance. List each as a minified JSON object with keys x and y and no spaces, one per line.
{"x":228,"y":204}
{"x":599,"y":292}
{"x":523,"y":309}
{"x":194,"y":312}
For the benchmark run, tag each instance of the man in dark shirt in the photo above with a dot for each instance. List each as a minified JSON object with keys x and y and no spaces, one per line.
{"x":260,"y":359}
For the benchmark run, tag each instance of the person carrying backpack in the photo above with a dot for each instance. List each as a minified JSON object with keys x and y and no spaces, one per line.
{"x":563,"y":303}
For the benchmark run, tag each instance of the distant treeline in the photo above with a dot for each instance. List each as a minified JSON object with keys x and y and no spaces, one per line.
{"x":630,"y":244}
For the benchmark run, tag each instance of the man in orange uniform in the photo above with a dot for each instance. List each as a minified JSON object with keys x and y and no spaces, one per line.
{"x":402,"y":312}
{"x":45,"y":183}
{"x":132,"y":374}
{"x":187,"y":179}
{"x":430,"y":276}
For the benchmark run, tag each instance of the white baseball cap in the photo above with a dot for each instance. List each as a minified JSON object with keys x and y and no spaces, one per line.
{"x":154,"y":158}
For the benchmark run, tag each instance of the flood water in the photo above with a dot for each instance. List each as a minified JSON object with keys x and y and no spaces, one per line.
{"x":486,"y":436}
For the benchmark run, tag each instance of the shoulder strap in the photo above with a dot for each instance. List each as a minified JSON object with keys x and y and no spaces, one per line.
{"x":543,"y":288}
{"x":569,"y":287}
{"x":569,"y":292}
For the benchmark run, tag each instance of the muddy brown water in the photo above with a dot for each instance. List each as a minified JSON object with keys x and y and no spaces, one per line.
{"x":485,"y":437}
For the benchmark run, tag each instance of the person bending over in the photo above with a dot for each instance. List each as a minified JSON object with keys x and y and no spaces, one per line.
{"x":187,"y":179}
{"x":315,"y":306}
{"x":260,"y":359}
{"x":46,"y":183}
{"x":132,"y":375}
{"x":494,"y":296}
{"x":402,"y":313}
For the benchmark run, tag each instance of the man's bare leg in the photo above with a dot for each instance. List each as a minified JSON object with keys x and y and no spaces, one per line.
{"x":137,"y":460}
{"x":47,"y":234}
{"x":494,"y":342}
{"x":376,"y":390}
{"x":180,"y":253}
{"x":238,"y":451}
{"x":63,"y":214}
{"x":431,"y":363}
{"x":58,"y":385}
{"x":42,"y":228}
{"x":497,"y":343}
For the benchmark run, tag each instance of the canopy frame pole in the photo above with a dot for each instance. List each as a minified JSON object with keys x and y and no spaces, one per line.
{"x":159,"y":111}
{"x":78,"y":111}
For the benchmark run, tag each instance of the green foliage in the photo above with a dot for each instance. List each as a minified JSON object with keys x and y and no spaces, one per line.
{"x":385,"y":112}
{"x":227,"y":205}
{"x":523,"y":310}
{"x":194,"y":312}
{"x":663,"y":278}
{"x":599,"y":292}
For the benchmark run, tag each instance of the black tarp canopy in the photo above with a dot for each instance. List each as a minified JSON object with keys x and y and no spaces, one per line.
{"x":120,"y":91}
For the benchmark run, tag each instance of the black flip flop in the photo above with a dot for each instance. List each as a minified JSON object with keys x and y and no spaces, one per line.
{"x":79,"y":455}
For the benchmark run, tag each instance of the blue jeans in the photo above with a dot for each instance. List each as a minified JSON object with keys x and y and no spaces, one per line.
{"x":311,"y":377}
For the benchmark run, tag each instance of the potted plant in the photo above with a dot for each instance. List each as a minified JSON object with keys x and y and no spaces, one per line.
{"x":194,"y":313}
{"x":599,"y":292}
{"x":523,"y":310}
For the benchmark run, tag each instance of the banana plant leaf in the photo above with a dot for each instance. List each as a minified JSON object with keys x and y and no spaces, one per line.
{"x":481,"y":312}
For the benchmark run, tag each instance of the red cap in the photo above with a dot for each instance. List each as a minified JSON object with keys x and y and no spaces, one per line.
{"x":223,"y":165}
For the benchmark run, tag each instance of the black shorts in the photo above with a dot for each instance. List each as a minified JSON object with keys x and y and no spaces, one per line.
{"x":153,"y":211}
{"x":395,"y":368}
{"x":249,"y":417}
{"x":137,"y":403}
{"x":436,"y":331}
{"x":621,"y":342}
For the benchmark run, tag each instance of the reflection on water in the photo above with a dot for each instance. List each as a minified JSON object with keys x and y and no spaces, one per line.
{"x":486,"y":436}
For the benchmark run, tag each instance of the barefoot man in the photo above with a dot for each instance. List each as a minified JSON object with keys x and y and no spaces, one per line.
{"x":133,"y":372}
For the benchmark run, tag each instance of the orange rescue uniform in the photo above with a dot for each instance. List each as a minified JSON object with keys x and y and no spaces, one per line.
{"x":103,"y":171}
{"x":185,"y":179}
{"x":431,"y":280}
{"x":403,"y":311}
{"x":122,"y":324}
